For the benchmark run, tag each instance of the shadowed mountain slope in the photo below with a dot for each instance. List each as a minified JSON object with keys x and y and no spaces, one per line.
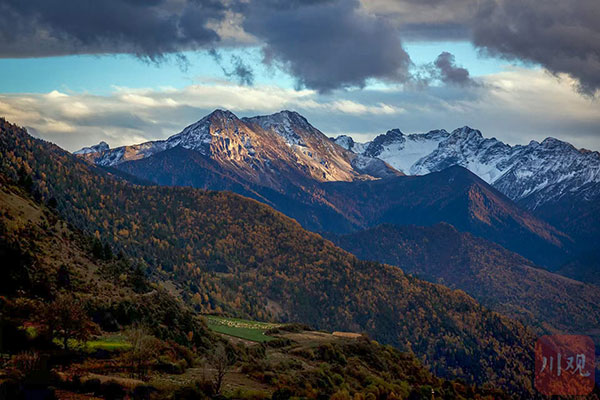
{"x":455,"y":196}
{"x":498,"y":278}
{"x":283,"y":161}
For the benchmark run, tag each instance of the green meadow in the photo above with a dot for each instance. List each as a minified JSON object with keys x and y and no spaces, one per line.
{"x":241,"y":328}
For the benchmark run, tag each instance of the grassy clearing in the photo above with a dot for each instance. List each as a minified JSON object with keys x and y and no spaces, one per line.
{"x":109,"y":343}
{"x":241,"y":328}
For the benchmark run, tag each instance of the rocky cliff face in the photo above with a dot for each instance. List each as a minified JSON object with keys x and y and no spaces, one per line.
{"x":531,"y":174}
{"x":262,"y":149}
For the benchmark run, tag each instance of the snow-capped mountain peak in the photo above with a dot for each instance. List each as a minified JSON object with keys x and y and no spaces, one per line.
{"x":533,"y":173}
{"x":393,"y":134}
{"x":345,"y":141}
{"x":402,"y":151}
{"x":196,"y":136}
{"x":348,"y":143}
{"x":553,"y":143}
{"x":265,"y":149}
{"x":286,"y":124}
{"x":100,"y":147}
{"x":467,"y":133}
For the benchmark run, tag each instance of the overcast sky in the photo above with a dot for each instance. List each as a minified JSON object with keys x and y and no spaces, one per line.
{"x":124,"y":71}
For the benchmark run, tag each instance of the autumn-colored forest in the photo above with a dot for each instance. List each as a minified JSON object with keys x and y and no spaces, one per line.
{"x":228,"y":254}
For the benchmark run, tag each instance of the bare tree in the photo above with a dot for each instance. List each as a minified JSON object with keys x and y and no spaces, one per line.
{"x":222,"y":363}
{"x":144,"y":350}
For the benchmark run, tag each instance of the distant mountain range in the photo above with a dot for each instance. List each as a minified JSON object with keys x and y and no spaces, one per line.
{"x":337,"y":185}
{"x":258,"y":147}
{"x":532,"y":175}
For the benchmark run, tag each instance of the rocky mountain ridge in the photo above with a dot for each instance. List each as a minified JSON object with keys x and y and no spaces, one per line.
{"x":265,"y":147}
{"x":260,"y":148}
{"x":531,"y":174}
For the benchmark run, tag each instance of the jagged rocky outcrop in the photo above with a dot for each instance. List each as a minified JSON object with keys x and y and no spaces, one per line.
{"x":261,"y":148}
{"x":530,"y":174}
{"x":99,"y":148}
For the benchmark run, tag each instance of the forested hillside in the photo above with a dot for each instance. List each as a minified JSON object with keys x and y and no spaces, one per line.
{"x":43,"y":256}
{"x":284,"y":162}
{"x":578,"y":214}
{"x":496,"y":277}
{"x":55,"y":277}
{"x":230,"y":254}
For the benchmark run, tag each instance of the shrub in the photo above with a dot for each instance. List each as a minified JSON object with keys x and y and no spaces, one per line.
{"x":91,"y":386}
{"x":112,"y":390}
{"x":197,"y":391}
{"x":278,"y":343}
{"x":330,"y":353}
{"x":143,"y":392}
{"x":282,"y":394}
{"x":304,"y":353}
{"x":24,"y":364}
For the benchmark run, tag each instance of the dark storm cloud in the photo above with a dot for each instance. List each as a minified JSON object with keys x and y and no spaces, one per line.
{"x":147,"y":28}
{"x":427,"y":19}
{"x":434,"y":32}
{"x":240,"y":71}
{"x":324,"y":44}
{"x":327,"y":45}
{"x":442,"y":70}
{"x":563,"y":36}
{"x":448,"y":72}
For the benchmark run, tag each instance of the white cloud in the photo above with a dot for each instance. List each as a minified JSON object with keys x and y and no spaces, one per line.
{"x":352,"y":107}
{"x":516,"y":105}
{"x":133,"y":115}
